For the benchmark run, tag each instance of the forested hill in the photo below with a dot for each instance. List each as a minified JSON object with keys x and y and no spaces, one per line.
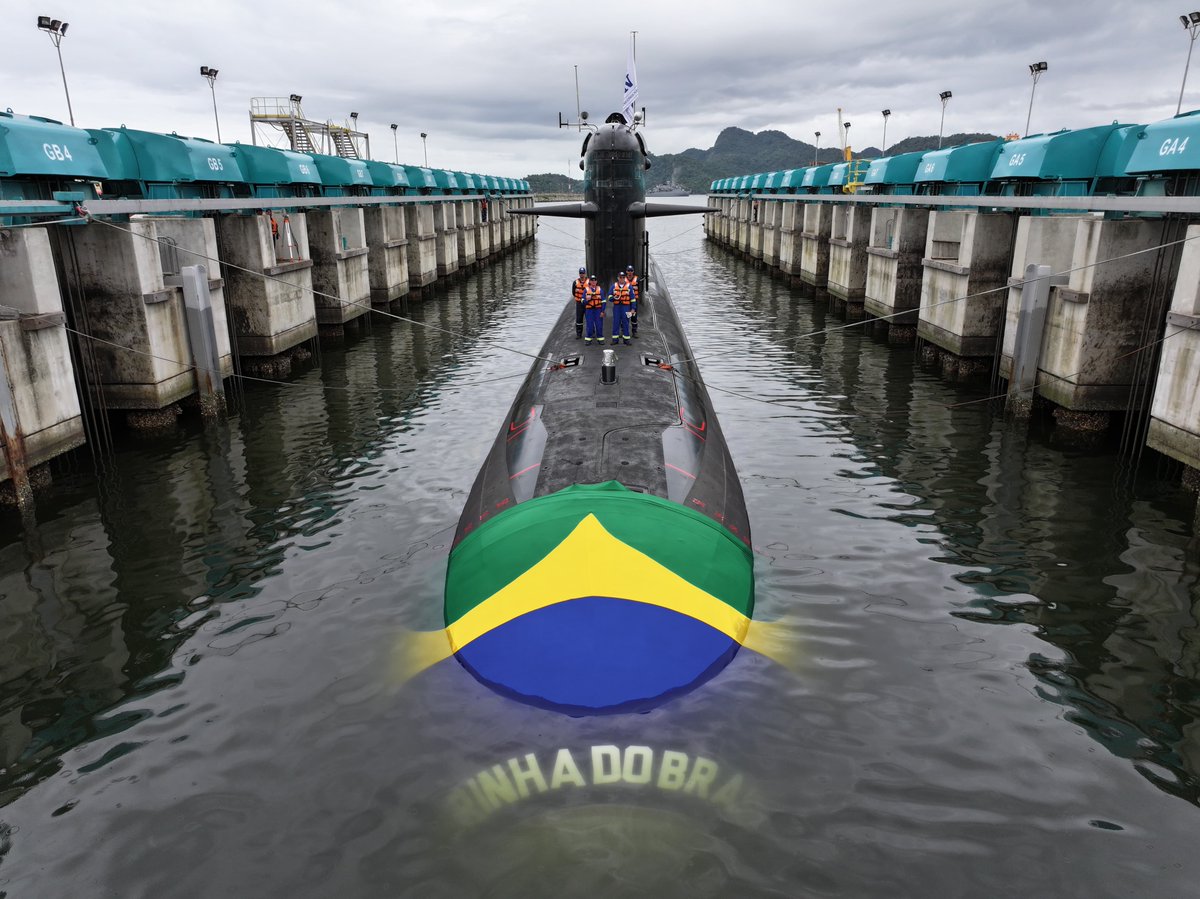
{"x":741,"y":152}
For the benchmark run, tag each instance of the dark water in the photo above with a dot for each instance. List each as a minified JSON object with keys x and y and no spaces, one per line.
{"x":995,"y":645}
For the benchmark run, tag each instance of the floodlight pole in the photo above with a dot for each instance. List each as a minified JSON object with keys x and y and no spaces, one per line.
{"x":883,"y":149}
{"x":1191,"y":22}
{"x":816,"y":146}
{"x":945,"y":97}
{"x":56,"y":30}
{"x":210,"y":75}
{"x":424,"y":148}
{"x":395,"y":145}
{"x":1036,"y":70}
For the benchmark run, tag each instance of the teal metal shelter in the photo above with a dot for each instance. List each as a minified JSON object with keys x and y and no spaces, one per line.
{"x":151,"y":166}
{"x":342,"y":177}
{"x":894,"y":175}
{"x":271,"y":172}
{"x":388,"y":179}
{"x":1166,"y":159}
{"x":1061,"y":164}
{"x":958,"y":171}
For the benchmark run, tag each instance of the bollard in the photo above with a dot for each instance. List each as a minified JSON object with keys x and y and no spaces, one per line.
{"x":608,"y":367}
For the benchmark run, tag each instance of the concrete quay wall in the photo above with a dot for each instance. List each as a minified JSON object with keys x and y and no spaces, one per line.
{"x":38,"y":392}
{"x":1175,"y":406}
{"x":275,"y":281}
{"x":955,"y":277}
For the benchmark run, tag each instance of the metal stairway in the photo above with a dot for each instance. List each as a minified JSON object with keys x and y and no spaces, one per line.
{"x":342,"y":142}
{"x":271,"y":115}
{"x":299,"y":138}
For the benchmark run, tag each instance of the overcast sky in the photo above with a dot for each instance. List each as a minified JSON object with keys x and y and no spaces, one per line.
{"x":487,"y":80}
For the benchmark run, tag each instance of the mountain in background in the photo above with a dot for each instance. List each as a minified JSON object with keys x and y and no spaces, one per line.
{"x":741,"y":152}
{"x":550,"y":183}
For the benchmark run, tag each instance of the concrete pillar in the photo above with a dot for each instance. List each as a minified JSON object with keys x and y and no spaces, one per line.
{"x":754,"y":235}
{"x":195,"y":243}
{"x":712,"y":220}
{"x":466,"y":212}
{"x":729,"y":223}
{"x":483,"y":239}
{"x":772,"y":228}
{"x":422,"y":245}
{"x":736,"y":217}
{"x":496,"y":236}
{"x":894,"y":270}
{"x":1098,"y":318}
{"x":814,"y":246}
{"x":967,"y":258}
{"x":446,"y":228}
{"x":1042,"y":239}
{"x":506,"y":225}
{"x":35,"y":355}
{"x":388,"y":257}
{"x":1175,"y":409}
{"x":528,"y":223}
{"x":269,"y":282}
{"x":849,"y":237}
{"x":340,"y":273}
{"x":483,"y":244}
{"x":143,"y":362}
{"x":791,"y":243}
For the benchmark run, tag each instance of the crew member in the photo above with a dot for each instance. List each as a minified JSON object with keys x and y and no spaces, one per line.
{"x":593,"y":303}
{"x":483,"y":208}
{"x":620,"y":296}
{"x":578,"y":289}
{"x":635,"y":291}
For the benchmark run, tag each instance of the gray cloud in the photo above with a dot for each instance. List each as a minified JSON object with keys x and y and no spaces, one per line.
{"x":487,"y":83}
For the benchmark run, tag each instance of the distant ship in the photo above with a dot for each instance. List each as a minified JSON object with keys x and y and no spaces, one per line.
{"x":668,"y":189}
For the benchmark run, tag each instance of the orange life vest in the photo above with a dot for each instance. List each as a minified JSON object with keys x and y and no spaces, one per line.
{"x":620,"y":294}
{"x":632,"y":281}
{"x":595,"y":298}
{"x":579,"y":287}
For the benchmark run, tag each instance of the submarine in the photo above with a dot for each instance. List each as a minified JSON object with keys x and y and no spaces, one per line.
{"x":602,"y":563}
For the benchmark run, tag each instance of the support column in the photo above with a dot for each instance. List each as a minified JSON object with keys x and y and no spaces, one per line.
{"x":12,"y":440}
{"x":1031,"y":327}
{"x":202,"y":338}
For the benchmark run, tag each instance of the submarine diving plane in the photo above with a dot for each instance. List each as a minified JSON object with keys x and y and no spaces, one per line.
{"x":603,"y":563}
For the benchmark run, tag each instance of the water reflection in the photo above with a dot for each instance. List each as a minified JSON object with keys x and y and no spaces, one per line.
{"x":1089,"y":554}
{"x":996,"y":665}
{"x":127,"y":563}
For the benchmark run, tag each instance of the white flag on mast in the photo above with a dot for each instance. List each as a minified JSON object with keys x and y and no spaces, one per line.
{"x":631,"y":88}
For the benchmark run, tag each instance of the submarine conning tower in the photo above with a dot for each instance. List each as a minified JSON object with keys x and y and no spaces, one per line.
{"x":614,"y":161}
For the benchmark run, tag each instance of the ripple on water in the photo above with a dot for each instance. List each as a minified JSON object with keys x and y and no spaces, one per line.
{"x":991,"y":640}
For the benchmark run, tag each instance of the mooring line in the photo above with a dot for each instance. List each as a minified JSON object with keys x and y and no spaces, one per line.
{"x":316,"y":293}
{"x":189,"y":366}
{"x":1018,"y":391}
{"x":1020,"y":282}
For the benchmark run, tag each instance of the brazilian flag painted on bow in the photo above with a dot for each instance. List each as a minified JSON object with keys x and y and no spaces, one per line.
{"x":598,"y":599}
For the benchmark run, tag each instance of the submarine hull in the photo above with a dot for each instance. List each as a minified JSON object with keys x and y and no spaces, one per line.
{"x":602,"y":562}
